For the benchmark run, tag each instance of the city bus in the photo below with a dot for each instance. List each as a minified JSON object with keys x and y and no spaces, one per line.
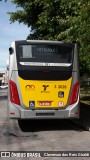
{"x":43,"y":80}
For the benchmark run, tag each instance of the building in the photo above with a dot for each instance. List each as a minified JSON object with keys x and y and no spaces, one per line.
{"x":3,"y":78}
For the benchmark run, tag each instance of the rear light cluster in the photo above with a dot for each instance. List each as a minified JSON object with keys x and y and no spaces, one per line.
{"x":14,"y":97}
{"x":74,"y":93}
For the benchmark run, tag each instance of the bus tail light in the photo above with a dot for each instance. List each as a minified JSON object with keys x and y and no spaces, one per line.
{"x":74,"y":93}
{"x":14,"y":97}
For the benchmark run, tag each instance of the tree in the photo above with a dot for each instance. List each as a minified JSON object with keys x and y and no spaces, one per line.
{"x":57,"y":20}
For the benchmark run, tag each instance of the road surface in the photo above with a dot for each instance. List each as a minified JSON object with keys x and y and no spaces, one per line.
{"x":42,"y":135}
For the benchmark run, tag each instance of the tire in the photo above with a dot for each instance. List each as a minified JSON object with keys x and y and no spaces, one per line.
{"x":23,"y":124}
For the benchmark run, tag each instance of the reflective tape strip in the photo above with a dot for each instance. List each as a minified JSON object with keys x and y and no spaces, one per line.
{"x":45,"y":64}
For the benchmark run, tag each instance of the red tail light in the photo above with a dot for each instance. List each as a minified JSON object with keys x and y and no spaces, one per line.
{"x":14,"y":97}
{"x":75,"y":92}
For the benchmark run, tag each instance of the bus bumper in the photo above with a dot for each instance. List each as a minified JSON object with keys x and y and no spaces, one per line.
{"x":17,"y":112}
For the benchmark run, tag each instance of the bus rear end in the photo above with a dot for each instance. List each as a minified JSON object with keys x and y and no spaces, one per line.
{"x":43,"y":80}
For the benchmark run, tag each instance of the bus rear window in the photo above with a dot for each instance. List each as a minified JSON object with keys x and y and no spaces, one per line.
{"x":45,"y":53}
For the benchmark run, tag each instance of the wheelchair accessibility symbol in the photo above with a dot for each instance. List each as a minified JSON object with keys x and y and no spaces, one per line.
{"x":32,"y":103}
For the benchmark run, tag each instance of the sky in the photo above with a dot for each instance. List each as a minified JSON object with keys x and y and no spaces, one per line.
{"x":9,"y":32}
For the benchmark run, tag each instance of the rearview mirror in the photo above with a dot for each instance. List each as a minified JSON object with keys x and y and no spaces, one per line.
{"x":11,"y":50}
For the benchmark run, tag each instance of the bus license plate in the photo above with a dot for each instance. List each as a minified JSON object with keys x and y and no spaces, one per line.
{"x":45,"y":103}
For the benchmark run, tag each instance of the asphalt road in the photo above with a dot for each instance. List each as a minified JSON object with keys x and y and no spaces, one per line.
{"x":42,"y":135}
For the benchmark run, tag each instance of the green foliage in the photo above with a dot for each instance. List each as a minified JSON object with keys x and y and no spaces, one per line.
{"x":66,"y":20}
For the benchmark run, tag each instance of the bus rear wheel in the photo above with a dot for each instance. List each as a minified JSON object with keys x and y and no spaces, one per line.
{"x":26,"y":125}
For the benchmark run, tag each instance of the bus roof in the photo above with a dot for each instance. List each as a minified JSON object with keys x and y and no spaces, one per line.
{"x":42,"y":42}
